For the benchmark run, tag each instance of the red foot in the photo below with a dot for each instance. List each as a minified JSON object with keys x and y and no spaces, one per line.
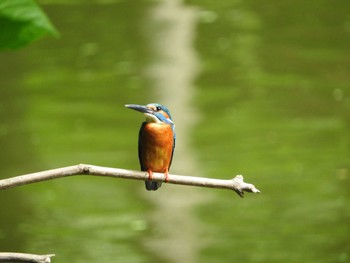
{"x":166,"y":174}
{"x":150,"y":174}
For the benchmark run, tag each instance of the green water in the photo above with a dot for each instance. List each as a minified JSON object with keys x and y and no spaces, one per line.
{"x":259,"y":89}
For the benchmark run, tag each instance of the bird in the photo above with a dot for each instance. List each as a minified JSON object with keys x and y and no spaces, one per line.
{"x":156,"y":141}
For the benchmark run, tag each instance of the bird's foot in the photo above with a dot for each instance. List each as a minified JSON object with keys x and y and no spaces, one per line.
{"x":166,"y":175}
{"x":150,"y":174}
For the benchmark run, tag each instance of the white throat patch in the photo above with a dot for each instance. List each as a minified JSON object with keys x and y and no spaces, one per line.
{"x":152,"y":118}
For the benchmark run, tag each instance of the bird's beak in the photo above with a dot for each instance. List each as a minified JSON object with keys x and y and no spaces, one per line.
{"x":140,"y":108}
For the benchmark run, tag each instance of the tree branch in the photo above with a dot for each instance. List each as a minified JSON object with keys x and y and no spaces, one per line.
{"x":237,"y":184}
{"x":22,"y":257}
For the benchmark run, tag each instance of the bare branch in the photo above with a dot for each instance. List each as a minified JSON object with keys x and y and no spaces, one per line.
{"x":237,"y":184}
{"x":22,"y":257}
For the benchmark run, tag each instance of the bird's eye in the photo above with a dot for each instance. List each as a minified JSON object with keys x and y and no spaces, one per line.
{"x":158,"y":108}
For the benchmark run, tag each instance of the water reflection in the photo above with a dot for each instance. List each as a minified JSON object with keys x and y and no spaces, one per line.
{"x":173,"y":70}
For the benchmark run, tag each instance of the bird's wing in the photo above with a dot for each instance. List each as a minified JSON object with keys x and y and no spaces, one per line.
{"x":172,"y":153}
{"x":140,"y":146}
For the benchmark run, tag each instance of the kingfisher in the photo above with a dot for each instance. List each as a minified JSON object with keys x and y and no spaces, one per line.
{"x":156,"y":141}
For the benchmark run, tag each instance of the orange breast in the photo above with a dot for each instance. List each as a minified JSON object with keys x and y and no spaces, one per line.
{"x":156,"y":147}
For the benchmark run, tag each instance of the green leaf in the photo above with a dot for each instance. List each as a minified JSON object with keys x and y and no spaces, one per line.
{"x":22,"y":22}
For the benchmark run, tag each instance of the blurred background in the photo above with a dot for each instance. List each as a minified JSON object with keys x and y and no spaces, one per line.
{"x":255,"y":88}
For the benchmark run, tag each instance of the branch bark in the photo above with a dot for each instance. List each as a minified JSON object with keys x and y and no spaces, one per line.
{"x":23,"y":257}
{"x":237,"y":184}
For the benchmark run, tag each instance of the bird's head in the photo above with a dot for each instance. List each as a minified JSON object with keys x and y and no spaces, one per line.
{"x":154,"y":112}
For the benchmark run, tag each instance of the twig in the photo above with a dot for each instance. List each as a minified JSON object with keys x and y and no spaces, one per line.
{"x":237,"y":184}
{"x":22,"y":257}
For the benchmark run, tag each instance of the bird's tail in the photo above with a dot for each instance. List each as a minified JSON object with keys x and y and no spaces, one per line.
{"x":152,"y":185}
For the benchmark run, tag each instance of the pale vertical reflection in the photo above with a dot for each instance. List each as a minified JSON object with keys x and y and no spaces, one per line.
{"x":175,"y":235}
